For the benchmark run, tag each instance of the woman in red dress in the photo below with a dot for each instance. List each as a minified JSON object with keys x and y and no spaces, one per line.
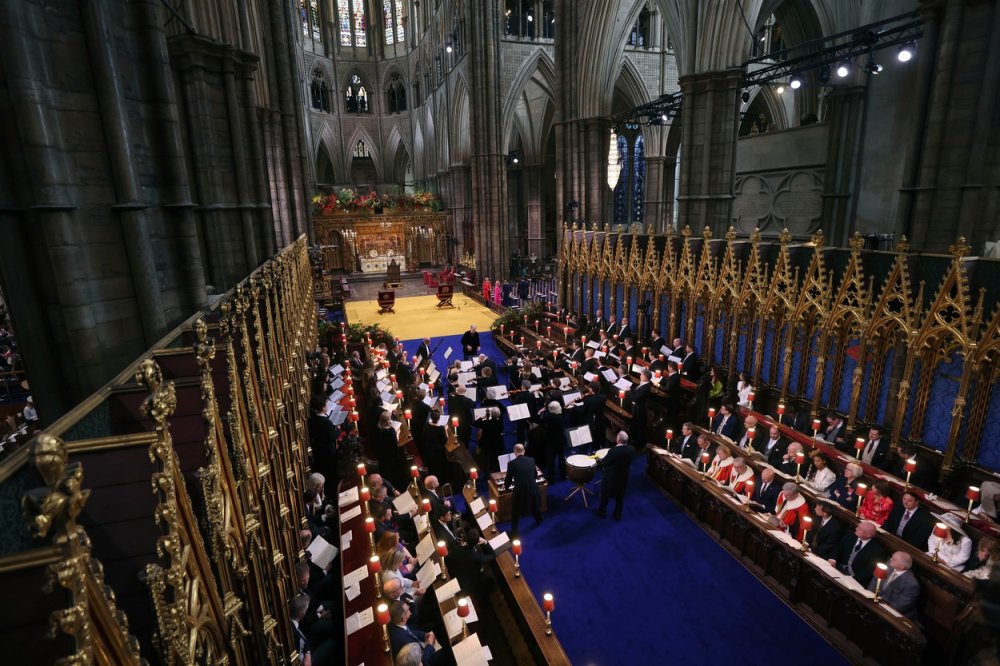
{"x":877,"y":504}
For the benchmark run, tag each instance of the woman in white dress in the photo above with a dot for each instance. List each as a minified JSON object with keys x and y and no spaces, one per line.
{"x":743,"y":390}
{"x":821,"y":477}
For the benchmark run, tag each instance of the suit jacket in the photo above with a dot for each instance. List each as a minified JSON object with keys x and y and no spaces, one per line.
{"x":836,"y":432}
{"x":616,"y":468}
{"x":399,"y":637}
{"x":826,"y":539}
{"x":672,"y":387}
{"x":600,"y":324}
{"x":640,"y":401}
{"x":685,"y":447}
{"x":767,"y":496}
{"x":521,"y":475}
{"x":864,"y":561}
{"x":731,"y":429}
{"x":777,"y":451}
{"x":488,"y":363}
{"x":656,"y":344}
{"x":424,"y":351}
{"x":624,"y":332}
{"x":901,"y":593}
{"x":470,"y":339}
{"x":916,"y":531}
{"x":689,"y":367}
{"x":881,"y":451}
{"x":463,"y":408}
{"x":438,"y":506}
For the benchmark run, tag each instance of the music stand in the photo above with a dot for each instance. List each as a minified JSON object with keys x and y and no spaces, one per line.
{"x":386,"y":302}
{"x":445,"y":293}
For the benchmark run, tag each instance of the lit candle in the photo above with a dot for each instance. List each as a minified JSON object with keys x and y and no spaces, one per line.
{"x":382,"y":613}
{"x":972,"y":494}
{"x":392,"y":378}
{"x":548,"y":603}
{"x":807,"y":523}
{"x":781,"y":408}
{"x":749,"y":488}
{"x":645,"y":350}
{"x":816,"y":424}
{"x":414,"y":471}
{"x":442,"y":548}
{"x":859,"y":443}
{"x":473,"y":473}
{"x":670,"y":435}
{"x":751,"y":433}
{"x":657,"y":374}
{"x":538,"y":344}
{"x":374,"y":564}
{"x":352,"y":403}
{"x":548,"y":331}
{"x":454,"y":422}
{"x":881,"y":571}
{"x":583,"y":339}
{"x":441,"y":402}
{"x":705,"y":458}
{"x":370,"y":525}
{"x":750,"y":397}
{"x":407,"y":414}
{"x":501,"y":329}
{"x":621,"y":396}
{"x":515,"y":546}
{"x":399,"y":395}
{"x":941,"y":531}
{"x":522,"y":340}
{"x":910,"y":466}
{"x":353,"y":416}
{"x":800,"y":458}
{"x":711,"y":413}
{"x":361,"y":469}
{"x":463,"y":607}
{"x":426,"y":505}
{"x":366,"y":493}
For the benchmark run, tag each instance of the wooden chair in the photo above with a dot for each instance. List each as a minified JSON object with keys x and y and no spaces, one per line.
{"x":445,"y":292}
{"x":392,"y":279}
{"x":386,"y":302}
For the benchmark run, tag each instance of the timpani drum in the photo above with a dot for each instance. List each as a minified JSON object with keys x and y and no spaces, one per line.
{"x":580,"y":469}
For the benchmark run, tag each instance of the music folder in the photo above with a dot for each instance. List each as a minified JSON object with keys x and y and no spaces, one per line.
{"x":518,"y":412}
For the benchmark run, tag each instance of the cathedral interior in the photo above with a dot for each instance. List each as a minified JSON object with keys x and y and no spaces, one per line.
{"x":779,"y":180}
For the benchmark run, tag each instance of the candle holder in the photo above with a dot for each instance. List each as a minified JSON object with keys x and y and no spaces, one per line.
{"x":749,"y":488}
{"x":861,"y":491}
{"x":815,"y":426}
{"x":382,"y":615}
{"x":370,"y":529}
{"x":463,"y":612}
{"x":415,"y":473}
{"x":362,"y":471}
{"x":972,"y":494}
{"x":442,"y":549}
{"x":910,"y":466}
{"x":941,"y":532}
{"x":493,"y":514}
{"x":781,"y":411}
{"x":881,"y":572}
{"x":365,"y":494}
{"x":704,"y":465}
{"x":375,"y":567}
{"x":859,"y":446}
{"x":473,"y":475}
{"x":806,"y":526}
{"x":549,"y":604}
{"x":800,"y":459}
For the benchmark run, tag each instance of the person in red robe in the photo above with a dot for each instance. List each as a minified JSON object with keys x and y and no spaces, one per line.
{"x":790,"y":509}
{"x":722,"y":465}
{"x":487,"y":290}
{"x":737,"y":481}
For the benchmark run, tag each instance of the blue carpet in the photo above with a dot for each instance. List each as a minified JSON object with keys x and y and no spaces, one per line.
{"x":655,"y":588}
{"x":486,"y":346}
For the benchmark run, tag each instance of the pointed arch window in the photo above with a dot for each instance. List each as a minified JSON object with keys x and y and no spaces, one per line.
{"x":352,"y":22}
{"x":309,"y":18}
{"x":630,"y":166}
{"x":395,"y":94}
{"x":361,"y":149}
{"x":320,"y":92}
{"x":641,"y":32}
{"x":393,"y":20}
{"x":356,"y":96}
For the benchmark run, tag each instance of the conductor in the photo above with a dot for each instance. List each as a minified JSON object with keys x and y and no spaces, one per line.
{"x":521,"y":475}
{"x":470,"y":342}
{"x":616,"y":468}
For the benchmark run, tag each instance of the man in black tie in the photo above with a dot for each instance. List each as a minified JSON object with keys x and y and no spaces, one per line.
{"x":686,"y":446}
{"x":910,"y":521}
{"x":625,"y":331}
{"x":835,"y":432}
{"x":439,"y":505}
{"x":616,"y":465}
{"x":767,"y":490}
{"x":671,"y":385}
{"x":689,"y":363}
{"x":525,"y":500}
{"x":600,"y":324}
{"x":773,"y":447}
{"x":876,"y":448}
{"x":424,"y":351}
{"x":827,"y":532}
{"x":297,"y":607}
{"x":858,"y":553}
{"x":657,"y":342}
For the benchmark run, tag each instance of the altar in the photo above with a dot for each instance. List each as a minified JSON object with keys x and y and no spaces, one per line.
{"x":364,"y":242}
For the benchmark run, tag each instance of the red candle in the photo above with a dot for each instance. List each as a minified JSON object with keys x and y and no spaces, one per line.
{"x":555,"y":354}
{"x":604,"y":349}
{"x":670,"y":435}
{"x":349,"y":380}
{"x":861,"y":490}
{"x":816,"y":424}
{"x":374,"y":564}
{"x":442,"y":548}
{"x":463,"y":607}
{"x":352,"y":403}
{"x":370,"y":525}
{"x":711,"y":413}
{"x":800,"y":458}
{"x":473,"y":473}
{"x":414,"y":471}
{"x":751,"y":432}
{"x":454,"y":422}
{"x":657,"y":374}
{"x":807,"y":523}
{"x":366,"y":493}
{"x":583,"y":338}
{"x":441,"y":402}
{"x":399,"y":395}
{"x":910,"y":465}
{"x":749,"y":487}
{"x":621,"y":395}
{"x":566,"y":331}
{"x":493,"y":506}
{"x":361,"y":469}
{"x":382,"y":613}
{"x":859,"y":443}
{"x":407,"y":414}
{"x":350,"y":391}
{"x":353,"y":416}
{"x":750,"y":396}
{"x":941,"y":531}
{"x":522,"y":340}
{"x":420,"y":370}
{"x":426,"y":504}
{"x":628,"y":360}
{"x":781,"y":408}
{"x":645,"y":350}
{"x":515,"y":546}
{"x":705,"y":458}
{"x":501,"y":329}
{"x":881,"y":571}
{"x":972,"y":494}
{"x":548,"y":330}
{"x":548,"y":603}
{"x":392,"y":378}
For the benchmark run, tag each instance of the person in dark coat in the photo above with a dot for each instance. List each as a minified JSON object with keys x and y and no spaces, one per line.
{"x":462,"y":407}
{"x":827,"y":532}
{"x":490,"y":438}
{"x":593,"y":414}
{"x":419,"y":411}
{"x":858,"y":553}
{"x":470,"y":342}
{"x":616,"y":465}
{"x":391,"y":459}
{"x":555,"y":442}
{"x":433,"y":447}
{"x":521,"y":475}
{"x":910,"y":521}
{"x":640,"y":413}
{"x":323,"y":440}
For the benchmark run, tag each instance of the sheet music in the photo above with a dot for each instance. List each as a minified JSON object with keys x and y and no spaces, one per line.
{"x":609,"y":374}
{"x":499,"y":543}
{"x":431,"y":368}
{"x":589,"y":376}
{"x":337,"y":370}
{"x":349,"y":496}
{"x":623,"y":384}
{"x":426,"y":575}
{"x":447,"y":353}
{"x":535,"y":388}
{"x":352,"y":592}
{"x":387,"y":397}
{"x":345,"y":539}
{"x":466,"y":378}
{"x":425,"y":548}
{"x":465,"y":366}
{"x":477,"y":506}
{"x":404,"y":503}
{"x":536,"y":371}
{"x":469,"y":652}
{"x":504,"y":460}
{"x":336,"y":396}
{"x":421,"y":523}
{"x":593,"y":344}
{"x":337,"y":383}
{"x":517,"y":412}
{"x":350,"y":514}
{"x":614,"y":356}
{"x":433,"y":375}
{"x":383,"y":385}
{"x":571,"y":397}
{"x":429,"y":401}
{"x":666,"y":351}
{"x":448,"y":590}
{"x":484,"y":521}
{"x":470,"y":393}
{"x":564,"y":383}
{"x":676,"y":359}
{"x":321,"y":552}
{"x":478,"y":413}
{"x":359,"y":620}
{"x":497,"y":393}
{"x":381,"y":374}
{"x":580,"y":436}
{"x":599,"y":354}
{"x":356,"y":576}
{"x":442,"y":420}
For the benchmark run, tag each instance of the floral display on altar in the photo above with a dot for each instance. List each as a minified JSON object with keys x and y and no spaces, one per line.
{"x":348,"y":200}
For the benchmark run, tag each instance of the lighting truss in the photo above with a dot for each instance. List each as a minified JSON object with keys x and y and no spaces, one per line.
{"x":658,"y":112}
{"x":832,"y":49}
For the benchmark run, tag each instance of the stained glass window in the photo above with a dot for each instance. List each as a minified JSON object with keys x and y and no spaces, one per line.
{"x":344,"y":22}
{"x":360,"y":24}
{"x":638,"y":179}
{"x":361,"y":150}
{"x":304,"y":18}
{"x":387,"y":15}
{"x":362,"y":100}
{"x":314,"y":19}
{"x":400,"y":33}
{"x":621,"y":205}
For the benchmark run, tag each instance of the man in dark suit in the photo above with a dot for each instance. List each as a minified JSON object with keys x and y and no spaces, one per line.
{"x":486,"y":362}
{"x":910,"y":521}
{"x":419,"y":411}
{"x":827,"y":532}
{"x":593,"y":414}
{"x":835,"y":432}
{"x":925,"y":476}
{"x":424,"y":351}
{"x":767,"y":490}
{"x":590,"y":364}
{"x":686,"y":446}
{"x":640,"y":413}
{"x":616,"y":467}
{"x":400,"y":634}
{"x":746,"y":441}
{"x":876,"y":448}
{"x":725,"y":423}
{"x":705,"y":445}
{"x":599,"y":324}
{"x":773,"y":446}
{"x":462,"y":407}
{"x":900,"y":590}
{"x":470,"y":342}
{"x":690,"y":363}
{"x":625,"y":331}
{"x":656,"y":342}
{"x":521,"y":475}
{"x":671,"y":385}
{"x":858,"y":553}
{"x":439,"y":505}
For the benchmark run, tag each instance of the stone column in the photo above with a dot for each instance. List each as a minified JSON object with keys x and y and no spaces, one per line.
{"x":533,"y":201}
{"x":708,"y":143}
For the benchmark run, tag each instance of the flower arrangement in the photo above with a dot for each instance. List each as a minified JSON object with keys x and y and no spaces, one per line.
{"x":348,"y":199}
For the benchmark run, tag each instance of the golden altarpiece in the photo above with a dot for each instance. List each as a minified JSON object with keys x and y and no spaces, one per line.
{"x":362,"y":242}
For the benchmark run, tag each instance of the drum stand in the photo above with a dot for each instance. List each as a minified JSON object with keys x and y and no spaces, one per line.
{"x":583,"y":490}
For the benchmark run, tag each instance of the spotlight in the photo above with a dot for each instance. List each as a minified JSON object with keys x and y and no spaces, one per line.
{"x":873,"y":67}
{"x":448,"y":48}
{"x":843,"y":69}
{"x":664,"y":118}
{"x":780,"y":90}
{"x":745,"y":96}
{"x":795,"y":83}
{"x":531,"y":17}
{"x":906,"y":52}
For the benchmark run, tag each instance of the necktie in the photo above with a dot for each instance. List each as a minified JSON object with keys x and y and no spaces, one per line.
{"x":902,"y":523}
{"x":869,"y":452}
{"x":854,"y":553}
